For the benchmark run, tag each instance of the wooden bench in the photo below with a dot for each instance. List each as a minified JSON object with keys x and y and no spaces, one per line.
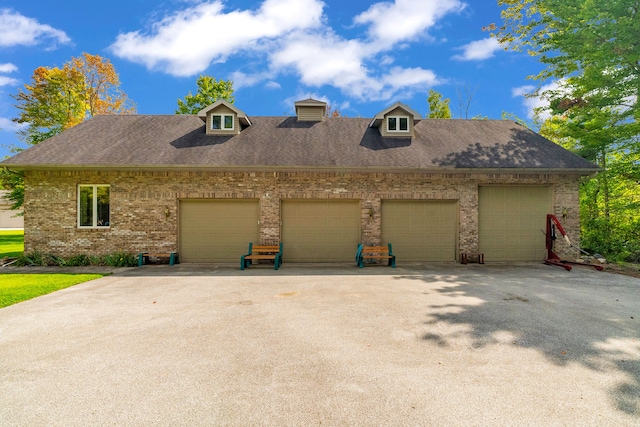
{"x":375,"y":252}
{"x":143,"y":257}
{"x":464,"y":257}
{"x":257,"y":253}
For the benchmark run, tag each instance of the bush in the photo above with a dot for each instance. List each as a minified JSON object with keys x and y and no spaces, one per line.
{"x":121,"y":259}
{"x":118,"y":259}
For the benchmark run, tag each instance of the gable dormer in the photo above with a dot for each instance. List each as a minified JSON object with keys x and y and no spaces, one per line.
{"x":311,"y":110}
{"x":397,"y":120}
{"x":222,"y":118}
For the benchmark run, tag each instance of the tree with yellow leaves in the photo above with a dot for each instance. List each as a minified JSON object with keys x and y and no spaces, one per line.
{"x":59,"y":98}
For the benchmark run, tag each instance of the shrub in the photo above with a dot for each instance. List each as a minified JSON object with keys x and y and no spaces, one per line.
{"x":118,"y":259}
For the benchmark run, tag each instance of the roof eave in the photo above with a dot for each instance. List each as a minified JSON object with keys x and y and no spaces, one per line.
{"x":390,"y":169}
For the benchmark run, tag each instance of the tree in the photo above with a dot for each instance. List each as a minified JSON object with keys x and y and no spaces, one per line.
{"x":465,"y":98}
{"x":438,"y":107}
{"x":209,"y":91}
{"x":591,"y":49}
{"x":101,"y":86}
{"x":59,"y":98}
{"x":332,"y":112}
{"x":51,"y":103}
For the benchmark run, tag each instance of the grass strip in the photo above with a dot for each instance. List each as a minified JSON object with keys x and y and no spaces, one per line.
{"x":11,"y":243}
{"x":15,"y":288}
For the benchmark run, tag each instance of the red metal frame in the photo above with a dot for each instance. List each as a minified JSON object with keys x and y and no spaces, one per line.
{"x":552,"y":257}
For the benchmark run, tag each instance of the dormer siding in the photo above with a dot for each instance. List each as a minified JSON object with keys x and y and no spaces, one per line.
{"x":310,"y":114}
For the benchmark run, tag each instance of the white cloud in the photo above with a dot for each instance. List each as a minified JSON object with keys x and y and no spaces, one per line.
{"x":8,"y":68}
{"x":329,"y":60}
{"x":16,"y":29}
{"x":186,"y":43}
{"x":323,"y":59}
{"x":478,"y":50}
{"x":405,"y":19}
{"x":6,"y":81}
{"x":538,"y":103}
{"x":8,"y":125}
{"x":292,"y":36}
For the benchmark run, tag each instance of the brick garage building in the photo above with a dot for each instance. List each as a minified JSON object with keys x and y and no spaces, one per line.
{"x":205,"y":185}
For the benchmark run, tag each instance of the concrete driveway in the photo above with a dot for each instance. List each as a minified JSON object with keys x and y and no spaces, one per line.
{"x":309,"y":345}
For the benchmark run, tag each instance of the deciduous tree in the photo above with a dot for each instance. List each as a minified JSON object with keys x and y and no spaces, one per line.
{"x":438,"y":107}
{"x":209,"y":91}
{"x":591,"y":49}
{"x":58,"y":98}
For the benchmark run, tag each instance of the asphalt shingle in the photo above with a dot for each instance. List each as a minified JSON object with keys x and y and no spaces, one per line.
{"x":167,"y":141}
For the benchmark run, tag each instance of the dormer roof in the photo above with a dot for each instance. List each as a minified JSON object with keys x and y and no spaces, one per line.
{"x":377,"y":120}
{"x":242,"y":117}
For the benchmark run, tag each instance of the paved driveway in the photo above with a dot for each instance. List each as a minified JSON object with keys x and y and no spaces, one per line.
{"x":324,"y":345}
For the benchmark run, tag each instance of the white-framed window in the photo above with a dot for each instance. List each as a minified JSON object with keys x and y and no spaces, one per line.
{"x":222,"y":121}
{"x":397,"y":124}
{"x":93,"y":205}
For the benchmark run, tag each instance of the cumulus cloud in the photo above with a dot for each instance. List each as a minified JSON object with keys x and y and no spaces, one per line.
{"x":478,"y":50}
{"x":403,"y":20}
{"x":291,"y":36}
{"x":19,"y":30}
{"x":186,"y":43}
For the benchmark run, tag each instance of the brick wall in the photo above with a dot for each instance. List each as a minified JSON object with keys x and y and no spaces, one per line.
{"x":139,"y":201}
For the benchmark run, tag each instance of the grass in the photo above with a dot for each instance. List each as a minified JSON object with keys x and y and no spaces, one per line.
{"x":11,"y":243}
{"x":15,"y":288}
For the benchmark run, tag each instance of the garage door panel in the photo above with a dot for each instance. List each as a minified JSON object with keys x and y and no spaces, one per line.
{"x":420,"y":230}
{"x":217,"y":230}
{"x":510,"y":222}
{"x":319,"y":230}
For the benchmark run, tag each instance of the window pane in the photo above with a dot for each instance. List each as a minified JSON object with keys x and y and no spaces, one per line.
{"x":392,"y":123}
{"x":404,"y":123}
{"x":216,"y":122}
{"x":86,"y":206}
{"x":103,"y":206}
{"x":228,"y":122}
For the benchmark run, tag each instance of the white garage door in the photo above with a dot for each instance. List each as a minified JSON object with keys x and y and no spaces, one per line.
{"x":512,"y":222}
{"x":320,"y":231}
{"x":420,"y":230}
{"x":217,"y":230}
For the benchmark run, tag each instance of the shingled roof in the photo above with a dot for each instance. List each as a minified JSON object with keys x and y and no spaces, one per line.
{"x":180,"y":141}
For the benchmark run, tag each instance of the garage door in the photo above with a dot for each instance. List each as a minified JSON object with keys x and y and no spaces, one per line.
{"x":420,"y":230}
{"x":217,"y":230}
{"x":320,"y":231}
{"x":511,"y":221}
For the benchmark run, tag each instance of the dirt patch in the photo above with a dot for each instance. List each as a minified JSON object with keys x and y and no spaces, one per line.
{"x":627,"y":270}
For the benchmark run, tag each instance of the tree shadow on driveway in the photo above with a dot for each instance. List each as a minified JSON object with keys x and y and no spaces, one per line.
{"x":583,"y":317}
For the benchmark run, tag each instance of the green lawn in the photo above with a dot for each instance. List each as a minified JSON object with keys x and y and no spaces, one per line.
{"x":11,"y":243}
{"x":20,"y":287}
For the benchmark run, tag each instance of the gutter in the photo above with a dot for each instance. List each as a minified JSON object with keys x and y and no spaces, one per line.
{"x":341,"y":169}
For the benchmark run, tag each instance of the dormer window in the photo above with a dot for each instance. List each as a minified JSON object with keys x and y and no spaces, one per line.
{"x":222,"y":122}
{"x":397,"y":124}
{"x":223,"y":119}
{"x":397,"y":121}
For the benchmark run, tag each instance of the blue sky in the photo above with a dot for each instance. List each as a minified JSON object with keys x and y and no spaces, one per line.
{"x":359,"y":56}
